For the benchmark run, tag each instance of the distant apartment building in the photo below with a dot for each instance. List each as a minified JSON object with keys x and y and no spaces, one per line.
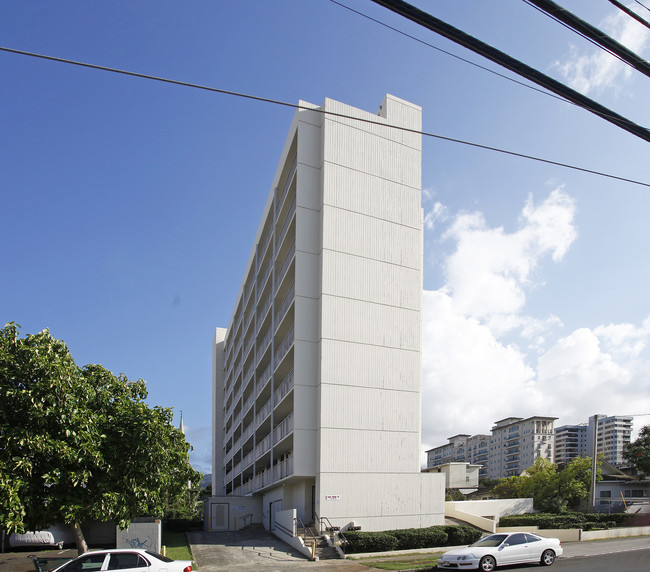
{"x":513,"y":445}
{"x":612,"y":434}
{"x":517,"y":443}
{"x":317,"y":379}
{"x":570,"y":442}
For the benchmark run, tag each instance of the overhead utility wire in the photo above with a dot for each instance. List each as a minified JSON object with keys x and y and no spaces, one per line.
{"x":323,"y":112}
{"x":449,"y":53}
{"x":642,"y":4}
{"x":434,"y":24}
{"x":593,"y":33}
{"x":631,"y":13}
{"x":575,"y":31}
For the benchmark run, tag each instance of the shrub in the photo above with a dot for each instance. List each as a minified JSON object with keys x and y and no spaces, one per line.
{"x":412,"y":538}
{"x":462,"y":534}
{"x":566,"y":520}
{"x":359,"y":541}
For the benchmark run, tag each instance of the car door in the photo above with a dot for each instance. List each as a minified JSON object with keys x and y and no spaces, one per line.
{"x":514,"y":549}
{"x":128,"y":562}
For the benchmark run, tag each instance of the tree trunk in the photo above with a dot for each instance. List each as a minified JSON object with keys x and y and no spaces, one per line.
{"x":79,"y":538}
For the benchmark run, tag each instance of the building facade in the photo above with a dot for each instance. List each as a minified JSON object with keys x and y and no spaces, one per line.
{"x":317,"y":379}
{"x":513,"y":445}
{"x":570,"y":442}
{"x":612,"y":434}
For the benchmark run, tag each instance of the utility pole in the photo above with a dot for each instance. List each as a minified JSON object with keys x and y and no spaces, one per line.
{"x":594,"y":463}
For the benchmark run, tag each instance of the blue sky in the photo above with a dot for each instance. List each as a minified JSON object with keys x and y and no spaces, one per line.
{"x":129,"y":207}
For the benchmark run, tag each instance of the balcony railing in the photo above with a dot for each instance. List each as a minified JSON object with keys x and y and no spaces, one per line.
{"x":283,"y":469}
{"x":263,"y":446}
{"x":284,"y":306}
{"x":263,"y":412}
{"x":283,"y":429}
{"x":285,"y":225}
{"x":284,"y":346}
{"x":284,"y":388}
{"x":285,"y":264}
{"x":287,"y":182}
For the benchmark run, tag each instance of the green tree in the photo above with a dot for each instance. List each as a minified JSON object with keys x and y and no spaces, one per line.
{"x":637,"y":453}
{"x":80,"y":443}
{"x":574,"y":481}
{"x":552,"y":490}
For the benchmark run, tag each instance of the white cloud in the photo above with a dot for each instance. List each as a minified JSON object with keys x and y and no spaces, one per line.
{"x":487,"y":274}
{"x":472,"y":377}
{"x":598,"y":69}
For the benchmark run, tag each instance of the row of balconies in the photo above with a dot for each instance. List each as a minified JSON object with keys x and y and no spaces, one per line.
{"x":281,"y":431}
{"x":249,"y":287}
{"x":283,"y":389}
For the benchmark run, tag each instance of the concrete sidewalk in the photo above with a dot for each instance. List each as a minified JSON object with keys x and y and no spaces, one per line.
{"x":255,"y":550}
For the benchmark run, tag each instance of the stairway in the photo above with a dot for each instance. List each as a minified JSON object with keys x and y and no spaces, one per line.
{"x":324,"y":551}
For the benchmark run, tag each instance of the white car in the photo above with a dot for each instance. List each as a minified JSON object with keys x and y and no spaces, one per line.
{"x":126,"y":560}
{"x":502,"y":549}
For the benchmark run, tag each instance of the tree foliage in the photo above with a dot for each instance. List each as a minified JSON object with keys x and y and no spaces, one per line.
{"x":637,"y":453}
{"x":551,"y":489}
{"x":80,"y":443}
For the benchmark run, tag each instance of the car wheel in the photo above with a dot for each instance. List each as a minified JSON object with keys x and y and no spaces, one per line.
{"x":548,"y":557}
{"x":487,"y":564}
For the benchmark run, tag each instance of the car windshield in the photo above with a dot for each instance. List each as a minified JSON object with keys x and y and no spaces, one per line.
{"x":492,"y":540}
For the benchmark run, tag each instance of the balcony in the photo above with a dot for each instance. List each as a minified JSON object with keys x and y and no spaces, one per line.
{"x":284,"y":347}
{"x":283,"y":429}
{"x":283,"y":469}
{"x":287,"y":183}
{"x":284,"y":388}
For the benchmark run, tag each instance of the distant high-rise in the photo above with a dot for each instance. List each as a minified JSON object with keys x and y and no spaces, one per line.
{"x":513,"y":445}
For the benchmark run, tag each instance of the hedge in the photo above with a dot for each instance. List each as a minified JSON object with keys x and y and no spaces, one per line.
{"x":565,"y":520}
{"x":410,"y":538}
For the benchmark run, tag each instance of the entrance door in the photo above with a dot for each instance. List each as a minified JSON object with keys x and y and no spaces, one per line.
{"x":219,"y":516}
{"x":274,"y":508}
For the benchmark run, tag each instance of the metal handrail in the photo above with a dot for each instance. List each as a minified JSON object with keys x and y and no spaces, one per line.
{"x":324,"y":522}
{"x":297,"y":520}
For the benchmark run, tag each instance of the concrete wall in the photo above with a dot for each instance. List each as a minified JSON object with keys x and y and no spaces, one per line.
{"x":145,"y":535}
{"x":370,"y":346}
{"x":238,"y":507}
{"x":485,"y":514}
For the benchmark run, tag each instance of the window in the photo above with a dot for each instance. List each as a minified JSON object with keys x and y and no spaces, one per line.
{"x":126,"y":561}
{"x":605,"y":494}
{"x":532,"y":537}
{"x":519,"y":538}
{"x":88,"y":562}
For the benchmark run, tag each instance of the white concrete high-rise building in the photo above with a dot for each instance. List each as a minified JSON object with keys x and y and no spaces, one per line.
{"x":513,"y":445}
{"x":612,"y":434}
{"x":317,"y":379}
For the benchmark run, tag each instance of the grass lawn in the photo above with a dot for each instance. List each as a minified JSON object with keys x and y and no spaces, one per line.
{"x":414,"y":562}
{"x":176,"y":545}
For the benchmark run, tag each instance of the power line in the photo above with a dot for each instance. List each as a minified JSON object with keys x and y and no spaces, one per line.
{"x":438,"y":26}
{"x":323,"y":112}
{"x":513,"y":80}
{"x":630,"y":13}
{"x":592,"y":33}
{"x":574,"y":30}
{"x":642,"y":4}
{"x":532,"y":87}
